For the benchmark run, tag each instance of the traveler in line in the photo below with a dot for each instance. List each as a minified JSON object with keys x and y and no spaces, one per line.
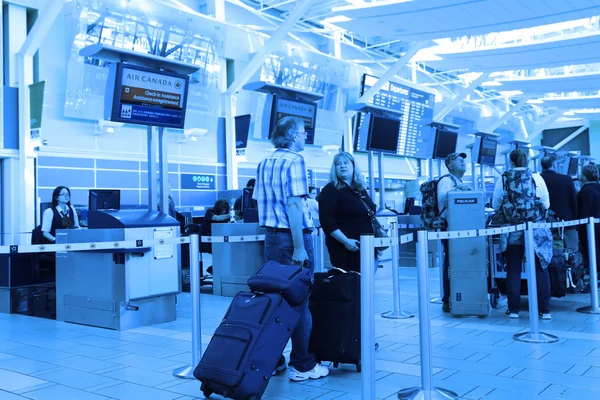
{"x":311,"y":201}
{"x":588,"y":202}
{"x":457,"y":166}
{"x":219,"y":213}
{"x":281,"y":190}
{"x":563,"y":198}
{"x":343,"y":214}
{"x":526,"y":193}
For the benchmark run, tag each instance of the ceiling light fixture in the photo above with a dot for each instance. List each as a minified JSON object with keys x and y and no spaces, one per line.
{"x":535,"y":101}
{"x":491,"y":83}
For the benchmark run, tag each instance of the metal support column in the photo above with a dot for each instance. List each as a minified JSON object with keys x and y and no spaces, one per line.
{"x":152,"y":148}
{"x":427,"y":391}
{"x":163,"y":171}
{"x":381,"y":174}
{"x":367,"y":320}
{"x":591,"y":234}
{"x":187,"y":372}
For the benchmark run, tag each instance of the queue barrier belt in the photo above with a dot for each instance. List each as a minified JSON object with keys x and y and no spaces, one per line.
{"x":378,"y":242}
{"x":123,"y":244}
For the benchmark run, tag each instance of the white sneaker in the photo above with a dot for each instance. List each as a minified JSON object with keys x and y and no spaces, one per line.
{"x":317,"y":372}
{"x":546,"y":317}
{"x":512,"y":315}
{"x":502,"y":302}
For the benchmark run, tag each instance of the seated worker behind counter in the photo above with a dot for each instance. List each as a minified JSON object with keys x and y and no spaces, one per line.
{"x":61,"y":215}
{"x":238,"y":207}
{"x":217,"y":214}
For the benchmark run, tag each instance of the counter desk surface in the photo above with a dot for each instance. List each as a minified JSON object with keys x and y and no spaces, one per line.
{"x":234,"y":263}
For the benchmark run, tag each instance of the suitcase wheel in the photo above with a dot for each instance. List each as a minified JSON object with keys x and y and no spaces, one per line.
{"x":336,"y":364}
{"x":358,"y":367}
{"x":207,"y":392}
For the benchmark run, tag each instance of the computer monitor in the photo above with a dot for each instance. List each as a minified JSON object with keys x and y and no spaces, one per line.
{"x":445,"y":143}
{"x":100,"y":199}
{"x":573,"y":169}
{"x":247,"y":201}
{"x":408,"y":204}
{"x":384,"y":134}
{"x":484,"y":151}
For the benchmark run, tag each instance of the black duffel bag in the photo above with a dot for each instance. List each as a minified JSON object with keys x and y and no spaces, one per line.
{"x":292,"y":281}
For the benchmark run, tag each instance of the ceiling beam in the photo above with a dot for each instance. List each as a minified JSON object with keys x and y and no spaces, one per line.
{"x":389,"y":74}
{"x":571,"y":137}
{"x":500,"y":121}
{"x":269,"y":46}
{"x":464,"y":92}
{"x":546,"y":124}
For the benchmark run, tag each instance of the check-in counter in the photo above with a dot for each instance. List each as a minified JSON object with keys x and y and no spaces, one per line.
{"x":408,"y":251}
{"x":234,"y":263}
{"x":119,"y":288}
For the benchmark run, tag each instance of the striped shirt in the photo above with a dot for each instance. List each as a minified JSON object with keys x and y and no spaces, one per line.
{"x":279,"y":176}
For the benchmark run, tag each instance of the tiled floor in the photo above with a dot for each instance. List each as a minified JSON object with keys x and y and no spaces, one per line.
{"x":477,"y":358}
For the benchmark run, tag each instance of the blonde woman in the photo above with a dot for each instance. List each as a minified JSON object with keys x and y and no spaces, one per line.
{"x":344,"y":207}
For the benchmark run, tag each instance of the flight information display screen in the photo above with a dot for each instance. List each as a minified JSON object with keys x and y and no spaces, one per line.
{"x":416,"y":137}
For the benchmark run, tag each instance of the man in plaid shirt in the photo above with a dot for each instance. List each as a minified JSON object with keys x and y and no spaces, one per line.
{"x":281,"y":190}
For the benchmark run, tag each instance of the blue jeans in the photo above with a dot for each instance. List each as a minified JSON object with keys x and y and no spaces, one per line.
{"x":280,"y":247}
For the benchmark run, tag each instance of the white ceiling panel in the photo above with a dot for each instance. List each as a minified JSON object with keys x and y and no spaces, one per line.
{"x":434,"y":19}
{"x":574,"y":103}
{"x":573,"y":51}
{"x":553,"y":84}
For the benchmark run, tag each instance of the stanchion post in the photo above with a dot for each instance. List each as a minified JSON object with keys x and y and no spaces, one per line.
{"x":534,"y":335}
{"x":591,"y":234}
{"x":397,"y":312}
{"x":439,"y":261}
{"x":426,"y":391}
{"x":187,"y":372}
{"x":319,"y":249}
{"x":367,"y":320}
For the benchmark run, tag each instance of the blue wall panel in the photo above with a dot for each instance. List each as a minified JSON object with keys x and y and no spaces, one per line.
{"x":117,"y":180}
{"x":118,"y":164}
{"x":79,"y":197}
{"x":221,"y":146}
{"x":174,"y":181}
{"x":45,"y":161}
{"x":198,"y":169}
{"x":197,"y":198}
{"x":130,"y":197}
{"x":50,"y":177}
{"x":11,"y":118}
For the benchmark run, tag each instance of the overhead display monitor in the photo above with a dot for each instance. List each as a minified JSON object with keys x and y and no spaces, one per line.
{"x":145,"y":96}
{"x":573,"y":169}
{"x":416,"y":137}
{"x":242,"y":128}
{"x":305,"y":110}
{"x":445,"y":143}
{"x":384,"y":134}
{"x":484,"y":150}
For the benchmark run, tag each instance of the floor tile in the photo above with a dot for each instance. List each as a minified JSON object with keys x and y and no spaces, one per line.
{"x":75,"y":379}
{"x":140,"y":376}
{"x":131,"y":391}
{"x":11,"y":381}
{"x":10,"y":396}
{"x":59,"y":392}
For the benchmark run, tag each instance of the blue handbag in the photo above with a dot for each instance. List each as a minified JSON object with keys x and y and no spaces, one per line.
{"x":292,"y":281}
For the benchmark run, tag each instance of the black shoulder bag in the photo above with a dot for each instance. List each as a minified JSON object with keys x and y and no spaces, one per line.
{"x":378,"y":230}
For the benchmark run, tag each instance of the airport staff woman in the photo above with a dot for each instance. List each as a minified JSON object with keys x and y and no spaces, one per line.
{"x":588,"y":205}
{"x":343,"y":214}
{"x":515,"y":249}
{"x":61,"y":215}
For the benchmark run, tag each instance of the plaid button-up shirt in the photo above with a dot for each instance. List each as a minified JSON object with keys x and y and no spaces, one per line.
{"x":279,"y":176}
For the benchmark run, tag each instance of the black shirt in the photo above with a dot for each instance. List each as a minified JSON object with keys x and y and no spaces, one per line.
{"x":342,"y":209}
{"x":563,"y":197}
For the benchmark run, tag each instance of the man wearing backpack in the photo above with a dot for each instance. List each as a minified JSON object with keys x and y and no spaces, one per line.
{"x":521,"y":196}
{"x":457,"y":166}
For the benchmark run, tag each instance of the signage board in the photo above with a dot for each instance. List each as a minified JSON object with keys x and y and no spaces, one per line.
{"x":198,"y":181}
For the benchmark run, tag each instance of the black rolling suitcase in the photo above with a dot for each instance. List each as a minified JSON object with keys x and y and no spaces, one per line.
{"x":246,"y":346}
{"x":335,"y":308}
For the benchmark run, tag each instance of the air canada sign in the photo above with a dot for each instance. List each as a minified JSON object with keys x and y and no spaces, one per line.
{"x":147,"y":96}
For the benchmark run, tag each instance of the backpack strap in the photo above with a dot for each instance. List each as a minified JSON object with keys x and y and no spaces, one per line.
{"x":436,"y":185}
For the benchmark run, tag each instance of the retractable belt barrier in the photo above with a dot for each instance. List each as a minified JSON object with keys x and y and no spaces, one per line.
{"x":421,"y":237}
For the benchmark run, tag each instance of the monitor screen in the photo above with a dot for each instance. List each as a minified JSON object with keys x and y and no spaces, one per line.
{"x":445,"y":143}
{"x":104,"y":200}
{"x":384,"y":134}
{"x":487,"y":150}
{"x":145,"y":96}
{"x":247,"y":201}
{"x":305,"y":110}
{"x":415,"y":134}
{"x":573,"y":167}
{"x":242,"y":128}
